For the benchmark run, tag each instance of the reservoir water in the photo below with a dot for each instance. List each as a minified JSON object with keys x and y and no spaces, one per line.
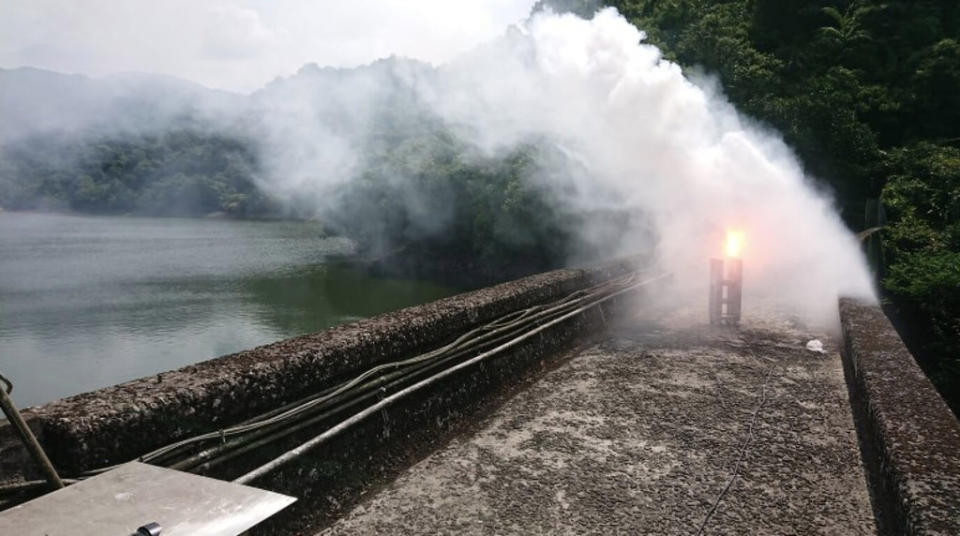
{"x":87,"y":302}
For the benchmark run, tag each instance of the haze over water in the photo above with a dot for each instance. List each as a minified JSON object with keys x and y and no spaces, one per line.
{"x":87,"y":302}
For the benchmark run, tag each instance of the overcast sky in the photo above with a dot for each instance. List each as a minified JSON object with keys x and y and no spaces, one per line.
{"x":240,"y":45}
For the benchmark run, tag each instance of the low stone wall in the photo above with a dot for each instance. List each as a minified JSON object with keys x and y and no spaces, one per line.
{"x":117,"y":423}
{"x":909,"y":437}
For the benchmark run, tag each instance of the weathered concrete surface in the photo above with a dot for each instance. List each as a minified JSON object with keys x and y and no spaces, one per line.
{"x":911,"y":439}
{"x":330,"y":480}
{"x":639,"y":435}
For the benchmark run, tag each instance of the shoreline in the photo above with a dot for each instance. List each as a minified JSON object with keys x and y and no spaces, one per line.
{"x":208,"y":216}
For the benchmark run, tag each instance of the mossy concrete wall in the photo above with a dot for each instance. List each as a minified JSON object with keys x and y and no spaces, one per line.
{"x":117,"y":423}
{"x":909,"y":438}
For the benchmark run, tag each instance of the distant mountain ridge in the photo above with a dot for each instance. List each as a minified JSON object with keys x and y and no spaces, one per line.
{"x":37,"y":101}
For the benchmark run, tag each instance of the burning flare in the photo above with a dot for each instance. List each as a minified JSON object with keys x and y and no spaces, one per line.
{"x":734,"y":243}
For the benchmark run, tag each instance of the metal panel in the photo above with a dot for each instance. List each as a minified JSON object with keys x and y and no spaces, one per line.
{"x":134,"y":494}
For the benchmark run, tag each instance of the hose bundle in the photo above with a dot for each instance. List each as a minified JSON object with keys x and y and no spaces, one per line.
{"x":202,"y":452}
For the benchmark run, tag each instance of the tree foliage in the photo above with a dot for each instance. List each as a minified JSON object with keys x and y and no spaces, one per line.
{"x":183,"y":173}
{"x":430,"y":193}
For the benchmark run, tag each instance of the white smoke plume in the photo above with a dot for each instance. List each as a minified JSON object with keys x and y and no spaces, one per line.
{"x":629,"y":132}
{"x":645,"y":138}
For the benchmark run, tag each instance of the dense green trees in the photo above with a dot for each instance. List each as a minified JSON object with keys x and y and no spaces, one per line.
{"x":419,"y":190}
{"x":179,"y":172}
{"x":922,"y":250}
{"x":868,"y":94}
{"x":430,"y":195}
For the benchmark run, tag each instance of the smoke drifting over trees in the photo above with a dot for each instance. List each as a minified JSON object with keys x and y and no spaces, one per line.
{"x":566,"y":139}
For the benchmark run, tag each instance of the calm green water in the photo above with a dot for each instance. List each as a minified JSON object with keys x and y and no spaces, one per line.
{"x":87,"y":302}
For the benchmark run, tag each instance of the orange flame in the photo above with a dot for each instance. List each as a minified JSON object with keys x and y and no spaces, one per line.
{"x":734,"y":243}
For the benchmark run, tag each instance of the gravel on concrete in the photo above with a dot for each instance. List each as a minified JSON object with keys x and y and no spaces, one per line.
{"x":665,"y":426}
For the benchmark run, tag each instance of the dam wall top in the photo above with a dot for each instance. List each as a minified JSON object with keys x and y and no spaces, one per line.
{"x":910,"y":438}
{"x":119,"y":422}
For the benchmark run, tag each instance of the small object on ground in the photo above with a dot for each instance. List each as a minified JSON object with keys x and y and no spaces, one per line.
{"x":150,"y":529}
{"x":816,"y":346}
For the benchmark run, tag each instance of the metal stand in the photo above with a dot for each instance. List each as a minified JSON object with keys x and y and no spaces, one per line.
{"x":26,"y":435}
{"x":726,"y":293}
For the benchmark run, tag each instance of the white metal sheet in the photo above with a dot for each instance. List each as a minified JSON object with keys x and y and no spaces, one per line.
{"x":115,"y":503}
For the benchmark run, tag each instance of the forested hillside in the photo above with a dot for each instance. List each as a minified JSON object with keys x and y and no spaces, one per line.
{"x":173,"y":173}
{"x":145,"y":144}
{"x":414,"y":188}
{"x":868,"y":94}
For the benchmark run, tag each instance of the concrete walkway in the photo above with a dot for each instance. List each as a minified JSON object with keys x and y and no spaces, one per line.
{"x":651,"y":431}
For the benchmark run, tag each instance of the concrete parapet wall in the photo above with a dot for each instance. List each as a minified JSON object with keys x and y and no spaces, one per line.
{"x":909,"y":437}
{"x":117,"y":423}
